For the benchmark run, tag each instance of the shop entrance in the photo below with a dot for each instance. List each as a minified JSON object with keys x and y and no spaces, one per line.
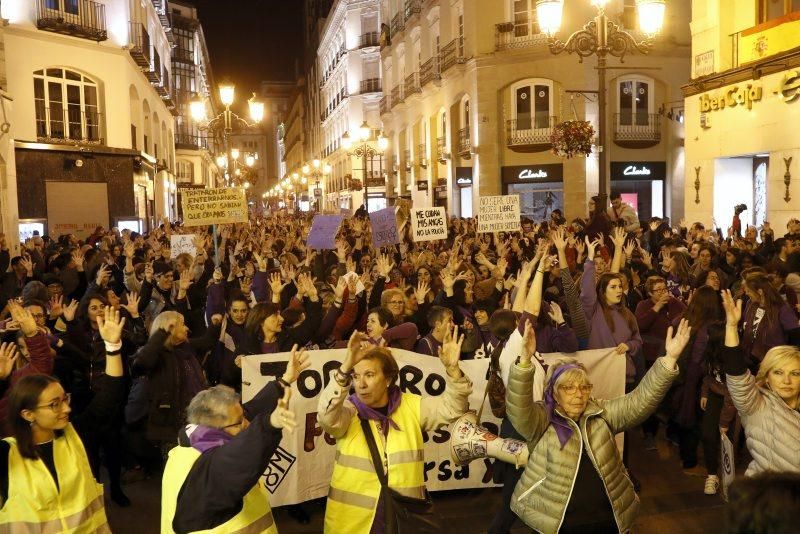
{"x":537,"y":201}
{"x":641,"y":184}
{"x":741,"y":180}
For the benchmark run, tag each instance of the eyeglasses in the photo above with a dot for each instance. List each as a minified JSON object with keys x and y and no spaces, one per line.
{"x":57,"y":404}
{"x":585,"y":389}
{"x":659,"y":289}
{"x":396,"y":302}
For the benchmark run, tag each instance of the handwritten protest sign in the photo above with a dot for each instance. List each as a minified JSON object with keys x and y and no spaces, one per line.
{"x":384,"y":228}
{"x":428,"y":224}
{"x":301,"y":468}
{"x":182,"y":243}
{"x":224,"y":205}
{"x":323,"y":232}
{"x":498,"y":214}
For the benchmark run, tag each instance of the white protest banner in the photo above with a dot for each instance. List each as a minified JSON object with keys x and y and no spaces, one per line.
{"x":428,"y":224}
{"x":727,"y":464}
{"x":182,"y":243}
{"x":302,"y":466}
{"x":498,"y":214}
{"x":223,"y":205}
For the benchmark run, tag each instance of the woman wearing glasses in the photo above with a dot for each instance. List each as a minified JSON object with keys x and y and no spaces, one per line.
{"x":46,"y":484}
{"x":575,"y":480}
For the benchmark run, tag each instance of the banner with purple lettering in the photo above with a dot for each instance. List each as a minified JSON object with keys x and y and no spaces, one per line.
{"x":301,"y":468}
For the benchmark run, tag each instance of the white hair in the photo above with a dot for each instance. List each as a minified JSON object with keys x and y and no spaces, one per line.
{"x":210,"y":406}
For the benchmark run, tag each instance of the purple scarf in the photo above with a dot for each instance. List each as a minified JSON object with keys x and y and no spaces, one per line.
{"x":205,"y":438}
{"x":560,"y":425}
{"x":371,"y":414}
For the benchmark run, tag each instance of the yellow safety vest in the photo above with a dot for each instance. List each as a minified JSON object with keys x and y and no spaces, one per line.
{"x":36,"y":505}
{"x":254,"y":517}
{"x":355,"y":488}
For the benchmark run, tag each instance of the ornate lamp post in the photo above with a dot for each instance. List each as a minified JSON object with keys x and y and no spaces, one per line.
{"x":362,"y":149}
{"x":225,"y":121}
{"x":315,"y":171}
{"x":602,"y":38}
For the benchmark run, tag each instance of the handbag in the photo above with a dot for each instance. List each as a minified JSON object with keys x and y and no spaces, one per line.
{"x":404,"y":515}
{"x":495,"y":387}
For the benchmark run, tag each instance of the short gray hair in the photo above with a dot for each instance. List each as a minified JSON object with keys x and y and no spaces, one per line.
{"x":210,"y":406}
{"x":163,"y":319}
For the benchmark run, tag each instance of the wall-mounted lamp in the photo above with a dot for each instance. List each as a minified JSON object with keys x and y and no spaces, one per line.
{"x":697,"y":185}
{"x":70,"y":162}
{"x":787,"y":178}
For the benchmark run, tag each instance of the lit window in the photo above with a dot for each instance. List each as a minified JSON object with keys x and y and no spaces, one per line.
{"x":67,"y":105}
{"x":525,"y":18}
{"x":532,"y":104}
{"x":773,"y":9}
{"x":635,"y":101}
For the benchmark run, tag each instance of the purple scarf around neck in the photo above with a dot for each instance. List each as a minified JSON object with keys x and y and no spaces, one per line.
{"x":205,"y":438}
{"x":563,"y":429}
{"x":371,"y":414}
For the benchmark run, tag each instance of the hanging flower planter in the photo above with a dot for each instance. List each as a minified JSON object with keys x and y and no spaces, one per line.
{"x":572,"y":138}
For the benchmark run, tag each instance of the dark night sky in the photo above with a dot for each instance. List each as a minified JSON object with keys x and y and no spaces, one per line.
{"x":252,"y":40}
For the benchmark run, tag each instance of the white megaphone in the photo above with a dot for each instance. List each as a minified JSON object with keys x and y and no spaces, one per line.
{"x":470,"y":441}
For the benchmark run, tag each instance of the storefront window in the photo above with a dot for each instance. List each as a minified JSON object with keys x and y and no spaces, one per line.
{"x":641,"y":184}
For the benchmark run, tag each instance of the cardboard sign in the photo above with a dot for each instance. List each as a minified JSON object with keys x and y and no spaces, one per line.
{"x":384,"y":228}
{"x":223,"y":205}
{"x":499,"y":214}
{"x":323,"y":232}
{"x":182,"y":243}
{"x":301,"y":468}
{"x":428,"y":224}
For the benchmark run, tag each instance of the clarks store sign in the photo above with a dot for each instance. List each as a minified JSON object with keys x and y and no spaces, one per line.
{"x":787,"y":90}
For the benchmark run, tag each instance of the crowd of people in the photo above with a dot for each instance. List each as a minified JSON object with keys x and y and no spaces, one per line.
{"x":116,"y":352}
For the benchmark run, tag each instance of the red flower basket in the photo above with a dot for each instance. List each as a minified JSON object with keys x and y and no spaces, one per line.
{"x":572,"y":138}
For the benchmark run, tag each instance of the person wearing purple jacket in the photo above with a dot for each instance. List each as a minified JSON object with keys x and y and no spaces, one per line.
{"x":611,"y":324}
{"x":440,"y":320}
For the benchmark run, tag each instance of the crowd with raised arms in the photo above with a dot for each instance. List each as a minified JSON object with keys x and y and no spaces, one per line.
{"x":117,"y":352}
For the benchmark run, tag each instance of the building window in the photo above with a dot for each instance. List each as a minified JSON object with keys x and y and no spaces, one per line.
{"x":773,"y":9}
{"x":635,"y":101}
{"x":525,"y":18}
{"x":532,"y":103}
{"x":67,"y":6}
{"x":67,"y":105}
{"x":185,"y":172}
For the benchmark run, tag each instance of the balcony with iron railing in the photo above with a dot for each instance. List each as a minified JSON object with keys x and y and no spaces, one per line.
{"x":397,"y":95}
{"x":407,"y":158}
{"x":637,"y":130}
{"x":385,"y":104}
{"x":79,"y":18}
{"x":422,"y":150}
{"x":464,"y":143}
{"x":186,"y":140}
{"x":333,"y":104}
{"x":398,"y":24}
{"x":441,"y":149}
{"x":371,"y":85}
{"x":429,"y":72}
{"x":412,"y":84}
{"x":369,"y":39}
{"x":510,"y":36}
{"x":452,"y":53}
{"x":139,"y":47}
{"x":153,"y":73}
{"x":183,"y":55}
{"x":530,"y":135}
{"x":58,"y":124}
{"x":412,"y":8}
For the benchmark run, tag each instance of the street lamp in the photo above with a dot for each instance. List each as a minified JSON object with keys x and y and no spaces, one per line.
{"x":601,"y":37}
{"x":364,"y":150}
{"x":316,"y":170}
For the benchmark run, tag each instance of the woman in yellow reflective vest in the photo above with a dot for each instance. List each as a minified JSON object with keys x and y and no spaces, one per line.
{"x":355,"y":504}
{"x":48,"y":485}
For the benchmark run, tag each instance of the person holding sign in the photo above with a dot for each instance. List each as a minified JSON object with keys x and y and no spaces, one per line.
{"x":211,"y":480}
{"x":768,"y":403}
{"x":356,"y":502}
{"x":575,"y":480}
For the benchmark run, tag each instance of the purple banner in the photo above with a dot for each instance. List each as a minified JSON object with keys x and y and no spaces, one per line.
{"x":323,"y":232}
{"x":384,"y":228}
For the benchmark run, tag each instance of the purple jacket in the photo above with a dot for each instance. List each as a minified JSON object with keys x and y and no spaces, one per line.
{"x":653,"y":325}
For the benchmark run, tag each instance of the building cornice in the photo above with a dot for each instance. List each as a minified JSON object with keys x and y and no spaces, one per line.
{"x":752,"y":71}
{"x":83,"y":149}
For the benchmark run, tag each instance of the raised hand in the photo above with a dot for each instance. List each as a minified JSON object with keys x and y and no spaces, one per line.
{"x":56,"y":306}
{"x":184,"y":282}
{"x":298,"y":362}
{"x":260,"y":261}
{"x":733,"y":309}
{"x":559,"y":239}
{"x":22,"y":316}
{"x":276,"y":285}
{"x":675,"y":344}
{"x":8,"y":358}
{"x":618,"y":237}
{"x":591,"y":247}
{"x":77,"y":259}
{"x":385,"y":265}
{"x":110,"y":325}
{"x":69,"y":310}
{"x":647,"y":258}
{"x":338,"y":291}
{"x":421,"y":292}
{"x":357,"y":346}
{"x":630,"y":246}
{"x":281,"y":417}
{"x":528,"y":343}
{"x":132,"y":304}
{"x":450,"y":352}
{"x":556,"y":314}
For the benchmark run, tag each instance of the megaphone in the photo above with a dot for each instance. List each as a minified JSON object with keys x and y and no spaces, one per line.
{"x":470,"y":441}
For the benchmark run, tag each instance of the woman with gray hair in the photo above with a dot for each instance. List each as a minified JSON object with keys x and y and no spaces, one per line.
{"x":574,"y":480}
{"x":211,"y":478}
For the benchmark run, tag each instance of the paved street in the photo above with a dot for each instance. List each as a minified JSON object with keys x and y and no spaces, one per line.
{"x":671,"y":503}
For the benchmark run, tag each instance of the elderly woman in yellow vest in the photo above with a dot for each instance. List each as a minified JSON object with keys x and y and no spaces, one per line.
{"x":574,"y":480}
{"x":397,"y":420}
{"x":211,"y":480}
{"x":48,"y":485}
